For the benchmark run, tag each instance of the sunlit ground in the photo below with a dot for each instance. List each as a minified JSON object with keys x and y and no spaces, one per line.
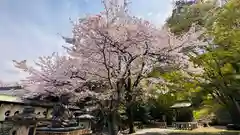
{"x":165,"y":131}
{"x":210,"y":129}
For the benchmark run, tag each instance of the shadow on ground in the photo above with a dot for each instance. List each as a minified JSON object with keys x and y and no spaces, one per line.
{"x":151,"y":133}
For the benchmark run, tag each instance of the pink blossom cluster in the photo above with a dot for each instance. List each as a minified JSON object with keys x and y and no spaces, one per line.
{"x":105,"y":48}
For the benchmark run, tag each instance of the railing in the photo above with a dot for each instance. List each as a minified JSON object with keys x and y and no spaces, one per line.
{"x":185,"y":125}
{"x":161,"y":124}
{"x":152,"y":124}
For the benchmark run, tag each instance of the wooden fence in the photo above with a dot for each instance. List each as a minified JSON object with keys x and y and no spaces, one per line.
{"x":185,"y":125}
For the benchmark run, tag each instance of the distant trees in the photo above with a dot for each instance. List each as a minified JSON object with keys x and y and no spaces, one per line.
{"x":188,"y":13}
{"x":220,"y":62}
{"x":220,"y":56}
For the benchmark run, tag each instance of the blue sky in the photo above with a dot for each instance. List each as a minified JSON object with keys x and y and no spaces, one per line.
{"x":29,"y":28}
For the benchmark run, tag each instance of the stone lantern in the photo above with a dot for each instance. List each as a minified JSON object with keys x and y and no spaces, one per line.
{"x":25,"y":122}
{"x":84,"y":121}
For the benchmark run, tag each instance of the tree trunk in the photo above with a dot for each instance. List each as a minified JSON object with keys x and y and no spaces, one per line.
{"x":237,"y":105}
{"x":130,"y":119}
{"x":129,"y":111}
{"x":234,"y":112}
{"x":112,"y":125}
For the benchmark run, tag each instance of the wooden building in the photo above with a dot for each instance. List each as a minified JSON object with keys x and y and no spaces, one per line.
{"x":183,"y":118}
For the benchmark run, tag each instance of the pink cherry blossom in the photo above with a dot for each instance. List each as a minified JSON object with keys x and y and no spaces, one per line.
{"x":107,"y":48}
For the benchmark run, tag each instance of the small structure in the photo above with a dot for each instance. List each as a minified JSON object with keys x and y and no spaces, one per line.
{"x":85,"y":121}
{"x":24,"y":116}
{"x":183,"y":118}
{"x":83,"y":128}
{"x":12,"y":105}
{"x":24,"y":123}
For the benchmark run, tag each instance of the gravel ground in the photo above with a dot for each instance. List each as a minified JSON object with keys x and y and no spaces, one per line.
{"x":158,"y":131}
{"x":152,"y":131}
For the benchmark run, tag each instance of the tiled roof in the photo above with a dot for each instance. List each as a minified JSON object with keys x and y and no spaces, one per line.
{"x":86,"y":116}
{"x":13,"y":91}
{"x":15,"y":95}
{"x":19,"y":93}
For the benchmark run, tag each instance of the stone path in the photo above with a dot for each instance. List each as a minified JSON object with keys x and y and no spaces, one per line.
{"x":158,"y":131}
{"x":152,"y":131}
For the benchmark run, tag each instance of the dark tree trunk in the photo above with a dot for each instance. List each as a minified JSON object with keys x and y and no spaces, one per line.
{"x":130,"y":119}
{"x":129,"y":111}
{"x":112,"y":125}
{"x":234,"y":112}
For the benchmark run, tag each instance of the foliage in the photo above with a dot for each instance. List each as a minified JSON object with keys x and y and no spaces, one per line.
{"x":199,"y":114}
{"x":219,"y":62}
{"x":221,"y":58}
{"x":185,"y":15}
{"x":141,"y":112}
{"x":178,"y":85}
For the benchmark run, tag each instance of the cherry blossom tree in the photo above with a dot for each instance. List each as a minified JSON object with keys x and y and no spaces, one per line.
{"x":55,"y":76}
{"x":121,"y":50}
{"x":109,"y":54}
